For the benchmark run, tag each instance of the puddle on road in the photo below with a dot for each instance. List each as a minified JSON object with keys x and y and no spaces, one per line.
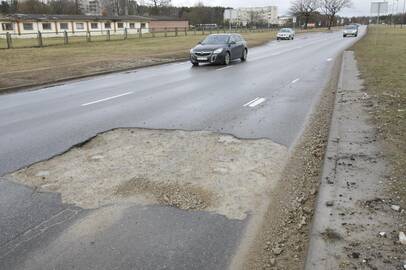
{"x":189,"y":170}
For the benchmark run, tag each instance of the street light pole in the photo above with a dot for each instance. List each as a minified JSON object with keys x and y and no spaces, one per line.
{"x":404,"y":14}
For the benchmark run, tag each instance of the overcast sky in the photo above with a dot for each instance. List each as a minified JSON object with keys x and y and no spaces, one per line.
{"x":360,"y":7}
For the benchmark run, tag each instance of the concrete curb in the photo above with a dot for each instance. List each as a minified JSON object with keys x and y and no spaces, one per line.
{"x":316,"y":244}
{"x":345,"y":228}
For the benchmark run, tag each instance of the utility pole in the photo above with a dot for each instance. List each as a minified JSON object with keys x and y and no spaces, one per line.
{"x":404,"y":14}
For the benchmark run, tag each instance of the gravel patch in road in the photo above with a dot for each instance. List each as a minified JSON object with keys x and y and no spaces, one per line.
{"x":189,"y":170}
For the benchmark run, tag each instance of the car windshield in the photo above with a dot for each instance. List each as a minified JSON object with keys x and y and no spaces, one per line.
{"x":216,"y":39}
{"x":285,"y":30}
{"x":350,"y":27}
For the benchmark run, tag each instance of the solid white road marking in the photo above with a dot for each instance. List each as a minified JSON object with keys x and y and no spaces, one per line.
{"x":295,"y":81}
{"x":257,"y":102}
{"x":223,"y":68}
{"x":248,"y":103}
{"x":105,"y":99}
{"x":329,"y":59}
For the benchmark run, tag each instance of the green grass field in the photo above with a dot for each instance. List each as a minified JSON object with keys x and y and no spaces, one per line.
{"x":381,"y":57}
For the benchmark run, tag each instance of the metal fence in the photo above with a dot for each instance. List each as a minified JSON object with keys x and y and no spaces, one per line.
{"x":43,"y":39}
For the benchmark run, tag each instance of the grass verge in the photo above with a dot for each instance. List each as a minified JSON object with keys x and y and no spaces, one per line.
{"x":381,"y":57}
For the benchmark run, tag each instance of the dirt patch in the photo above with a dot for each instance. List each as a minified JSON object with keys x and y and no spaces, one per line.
{"x":189,"y":170}
{"x":182,"y":197}
{"x":331,"y":235}
{"x":283,"y":236}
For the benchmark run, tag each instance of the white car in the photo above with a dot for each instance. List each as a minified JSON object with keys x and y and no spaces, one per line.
{"x":285,"y":33}
{"x":350,"y":30}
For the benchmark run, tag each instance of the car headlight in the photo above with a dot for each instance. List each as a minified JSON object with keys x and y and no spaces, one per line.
{"x":191,"y":51}
{"x":218,"y":51}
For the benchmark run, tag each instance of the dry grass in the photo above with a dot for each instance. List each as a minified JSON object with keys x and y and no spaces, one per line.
{"x":382,"y":60}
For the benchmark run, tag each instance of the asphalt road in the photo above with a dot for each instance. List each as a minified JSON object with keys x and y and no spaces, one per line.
{"x":270,"y":96}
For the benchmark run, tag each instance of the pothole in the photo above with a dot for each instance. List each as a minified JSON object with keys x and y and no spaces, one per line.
{"x":193,"y":170}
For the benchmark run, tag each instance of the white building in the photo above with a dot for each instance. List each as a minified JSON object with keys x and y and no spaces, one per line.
{"x":265,"y":15}
{"x":28,"y":25}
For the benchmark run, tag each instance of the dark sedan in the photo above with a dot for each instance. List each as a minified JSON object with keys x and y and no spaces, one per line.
{"x":219,"y":49}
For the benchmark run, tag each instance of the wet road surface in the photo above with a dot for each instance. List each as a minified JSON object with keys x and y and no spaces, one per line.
{"x":269,"y":96}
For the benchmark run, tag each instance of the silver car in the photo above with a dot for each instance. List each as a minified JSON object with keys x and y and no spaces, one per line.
{"x":285,"y":33}
{"x":350,"y":30}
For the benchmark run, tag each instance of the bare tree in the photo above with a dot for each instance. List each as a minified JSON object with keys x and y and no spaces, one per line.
{"x":304,"y":8}
{"x":158,"y":4}
{"x":331,"y":7}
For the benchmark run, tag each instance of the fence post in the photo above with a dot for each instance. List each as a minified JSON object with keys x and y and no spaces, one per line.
{"x":65,"y":37}
{"x":203,"y":30}
{"x":185,"y":31}
{"x":9,"y":42}
{"x":108,"y":35}
{"x":166,"y":32}
{"x":40,"y":43}
{"x":125,"y":33}
{"x":153,"y":32}
{"x":176,"y":31}
{"x":140,"y":33}
{"x":194,"y":31}
{"x":88,"y":36}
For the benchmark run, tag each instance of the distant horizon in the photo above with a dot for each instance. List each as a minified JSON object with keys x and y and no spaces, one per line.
{"x":359,"y":8}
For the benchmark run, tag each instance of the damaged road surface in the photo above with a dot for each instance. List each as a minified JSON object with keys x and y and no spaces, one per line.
{"x":180,"y":186}
{"x":119,"y":176}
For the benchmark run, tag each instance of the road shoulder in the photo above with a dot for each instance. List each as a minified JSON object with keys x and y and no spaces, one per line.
{"x":357,"y":222}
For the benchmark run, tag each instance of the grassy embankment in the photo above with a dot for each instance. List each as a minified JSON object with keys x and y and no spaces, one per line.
{"x":381,"y":56}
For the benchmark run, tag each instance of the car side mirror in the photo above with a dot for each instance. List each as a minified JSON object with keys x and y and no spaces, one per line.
{"x":232,"y":42}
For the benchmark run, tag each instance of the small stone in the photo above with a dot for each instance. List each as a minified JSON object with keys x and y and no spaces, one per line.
{"x":277,"y":251}
{"x":329,"y":203}
{"x":96,"y":157}
{"x":395,"y":208}
{"x":355,"y":255}
{"x":402,"y":238}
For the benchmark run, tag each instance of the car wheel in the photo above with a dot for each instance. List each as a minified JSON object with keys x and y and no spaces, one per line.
{"x":277,"y":38}
{"x":244,"y":55}
{"x":344,"y":36}
{"x":195,"y":64}
{"x":227,"y":58}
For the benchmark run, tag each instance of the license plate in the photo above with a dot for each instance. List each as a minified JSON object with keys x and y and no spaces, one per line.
{"x":202,"y":58}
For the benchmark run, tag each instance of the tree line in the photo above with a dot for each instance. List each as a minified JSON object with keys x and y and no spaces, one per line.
{"x":304,"y":10}
{"x":197,"y":14}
